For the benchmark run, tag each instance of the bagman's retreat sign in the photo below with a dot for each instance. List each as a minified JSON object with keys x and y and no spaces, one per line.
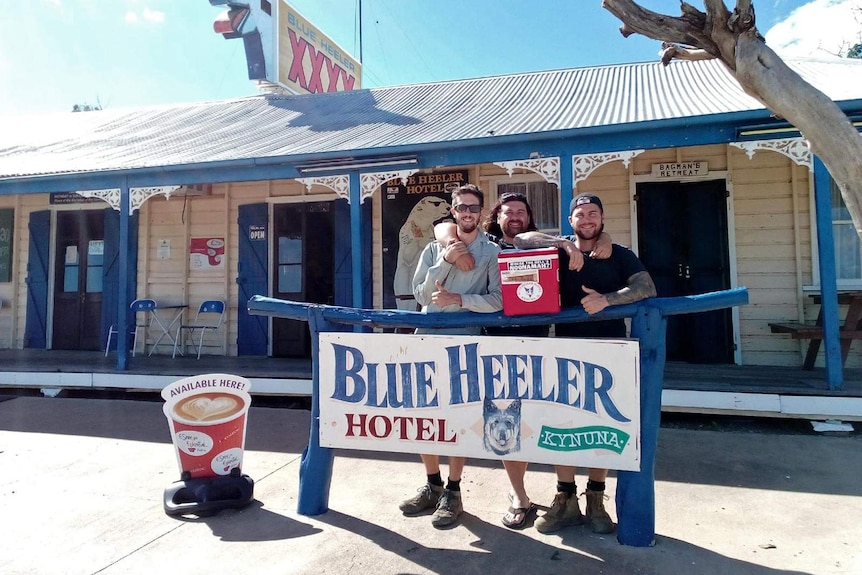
{"x":554,"y":400}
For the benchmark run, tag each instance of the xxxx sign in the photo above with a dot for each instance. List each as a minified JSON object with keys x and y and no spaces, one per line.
{"x":308,"y":60}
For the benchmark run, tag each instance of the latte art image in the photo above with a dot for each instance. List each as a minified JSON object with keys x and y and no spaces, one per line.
{"x":208,"y":407}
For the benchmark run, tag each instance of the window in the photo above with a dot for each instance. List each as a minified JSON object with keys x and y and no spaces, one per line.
{"x":289,"y":265}
{"x":848,"y":255}
{"x":95,"y":263}
{"x":544,"y":198}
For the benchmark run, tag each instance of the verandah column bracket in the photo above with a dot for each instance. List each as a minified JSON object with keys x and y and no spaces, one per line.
{"x":371,"y":181}
{"x":137,"y":196}
{"x":548,"y":168}
{"x":585,"y":164}
{"x":797,"y":149}
{"x":338,"y":184}
{"x":109,"y":196}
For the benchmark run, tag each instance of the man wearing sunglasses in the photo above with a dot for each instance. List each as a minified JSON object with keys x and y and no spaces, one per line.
{"x":439,"y":286}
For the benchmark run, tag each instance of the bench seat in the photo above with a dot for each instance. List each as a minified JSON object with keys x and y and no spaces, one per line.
{"x":809,"y":331}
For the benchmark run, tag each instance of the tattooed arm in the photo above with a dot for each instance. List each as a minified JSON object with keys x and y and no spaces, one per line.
{"x":530,"y":240}
{"x":640,"y":286}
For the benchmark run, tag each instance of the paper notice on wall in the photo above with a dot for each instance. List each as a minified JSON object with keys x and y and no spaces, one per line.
{"x":164,"y":250}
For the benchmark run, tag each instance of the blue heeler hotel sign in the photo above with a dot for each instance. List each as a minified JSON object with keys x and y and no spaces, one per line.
{"x":555,"y":400}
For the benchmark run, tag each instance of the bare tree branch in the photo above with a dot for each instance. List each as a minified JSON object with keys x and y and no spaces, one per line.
{"x":734,"y":39}
{"x":687,"y":30}
{"x":676,"y":52}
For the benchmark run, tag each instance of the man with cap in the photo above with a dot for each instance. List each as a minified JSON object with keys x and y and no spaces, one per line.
{"x":509,"y":216}
{"x":599,"y":283}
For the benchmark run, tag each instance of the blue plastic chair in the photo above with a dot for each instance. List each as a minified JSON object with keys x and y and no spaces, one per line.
{"x":209,"y":317}
{"x":139,"y":305}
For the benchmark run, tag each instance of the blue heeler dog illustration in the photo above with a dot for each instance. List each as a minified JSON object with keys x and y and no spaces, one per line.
{"x":502,"y":427}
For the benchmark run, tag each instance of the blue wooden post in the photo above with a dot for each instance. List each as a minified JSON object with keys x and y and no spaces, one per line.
{"x":356,"y":237}
{"x":123,"y":327}
{"x":635,"y":496}
{"x":566,"y":192}
{"x":828,"y":279}
{"x":315,"y":468}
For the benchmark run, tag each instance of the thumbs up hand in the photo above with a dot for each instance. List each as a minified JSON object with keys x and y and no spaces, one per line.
{"x":593,"y":302}
{"x":443,"y":297}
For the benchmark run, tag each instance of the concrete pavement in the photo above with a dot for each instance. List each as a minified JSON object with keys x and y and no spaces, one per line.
{"x":83,"y":480}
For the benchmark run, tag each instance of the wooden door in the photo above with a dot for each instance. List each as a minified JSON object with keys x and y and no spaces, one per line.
{"x":683,"y":242}
{"x":78,"y":280}
{"x":304,"y":269}
{"x":252,"y":278}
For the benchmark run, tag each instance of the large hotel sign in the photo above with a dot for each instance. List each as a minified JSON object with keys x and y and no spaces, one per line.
{"x":308,"y":60}
{"x":283,"y":48}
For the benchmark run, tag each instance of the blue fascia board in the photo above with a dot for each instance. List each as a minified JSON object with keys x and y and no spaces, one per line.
{"x":207,"y":173}
{"x":704,"y":130}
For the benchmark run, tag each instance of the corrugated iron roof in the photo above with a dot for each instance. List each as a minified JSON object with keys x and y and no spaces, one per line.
{"x":269,"y":126}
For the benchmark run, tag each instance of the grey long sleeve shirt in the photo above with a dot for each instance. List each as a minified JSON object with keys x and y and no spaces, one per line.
{"x":479,"y":288}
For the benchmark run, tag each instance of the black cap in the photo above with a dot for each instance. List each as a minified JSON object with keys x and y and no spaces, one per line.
{"x":585,"y":198}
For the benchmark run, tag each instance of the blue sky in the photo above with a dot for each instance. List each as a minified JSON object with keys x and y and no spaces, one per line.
{"x":124,"y":53}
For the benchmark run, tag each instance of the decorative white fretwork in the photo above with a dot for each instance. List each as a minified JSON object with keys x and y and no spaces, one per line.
{"x":796,"y":149}
{"x":370,"y":182}
{"x":338,"y":184}
{"x":586,"y":164}
{"x":548,"y":168}
{"x":111,"y":197}
{"x":137,"y":196}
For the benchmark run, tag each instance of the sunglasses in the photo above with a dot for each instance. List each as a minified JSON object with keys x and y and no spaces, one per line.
{"x":472,"y":208}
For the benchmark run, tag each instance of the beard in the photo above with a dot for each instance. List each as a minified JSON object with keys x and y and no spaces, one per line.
{"x":467,"y":227}
{"x":510,"y":232}
{"x":595,"y":233}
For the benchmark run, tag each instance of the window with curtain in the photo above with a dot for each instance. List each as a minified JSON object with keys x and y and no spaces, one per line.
{"x":848,"y":255}
{"x":544,"y":199}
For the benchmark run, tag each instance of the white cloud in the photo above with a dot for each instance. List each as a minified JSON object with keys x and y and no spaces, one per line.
{"x":154,"y":16}
{"x":145,"y":15}
{"x":820,"y":28}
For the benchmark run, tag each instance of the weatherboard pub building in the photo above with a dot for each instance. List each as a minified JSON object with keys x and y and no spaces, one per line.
{"x":327,"y":198}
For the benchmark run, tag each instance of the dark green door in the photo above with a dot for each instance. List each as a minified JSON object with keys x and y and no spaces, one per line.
{"x":304,"y":269}
{"x":683,"y":242}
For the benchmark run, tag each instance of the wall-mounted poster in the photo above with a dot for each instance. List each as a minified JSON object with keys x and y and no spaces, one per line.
{"x":409,"y":213}
{"x":206,"y":253}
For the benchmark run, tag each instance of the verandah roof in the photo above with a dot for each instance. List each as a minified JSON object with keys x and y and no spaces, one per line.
{"x":294,"y":129}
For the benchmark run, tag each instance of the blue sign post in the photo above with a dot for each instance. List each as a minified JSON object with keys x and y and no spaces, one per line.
{"x":635,"y":494}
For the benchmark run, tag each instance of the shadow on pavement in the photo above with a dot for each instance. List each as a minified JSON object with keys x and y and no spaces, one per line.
{"x":499,"y":550}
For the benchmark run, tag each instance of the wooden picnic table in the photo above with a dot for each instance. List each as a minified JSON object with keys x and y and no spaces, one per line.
{"x":849,"y":330}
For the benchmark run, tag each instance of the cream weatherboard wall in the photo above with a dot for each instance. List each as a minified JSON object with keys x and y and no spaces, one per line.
{"x":771,"y":241}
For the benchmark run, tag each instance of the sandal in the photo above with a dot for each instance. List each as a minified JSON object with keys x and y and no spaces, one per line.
{"x":516,"y":517}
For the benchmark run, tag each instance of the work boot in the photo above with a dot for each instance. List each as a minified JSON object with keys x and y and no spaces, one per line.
{"x":424,"y":500}
{"x":597,"y":518}
{"x":564,"y":511}
{"x":449,"y":508}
